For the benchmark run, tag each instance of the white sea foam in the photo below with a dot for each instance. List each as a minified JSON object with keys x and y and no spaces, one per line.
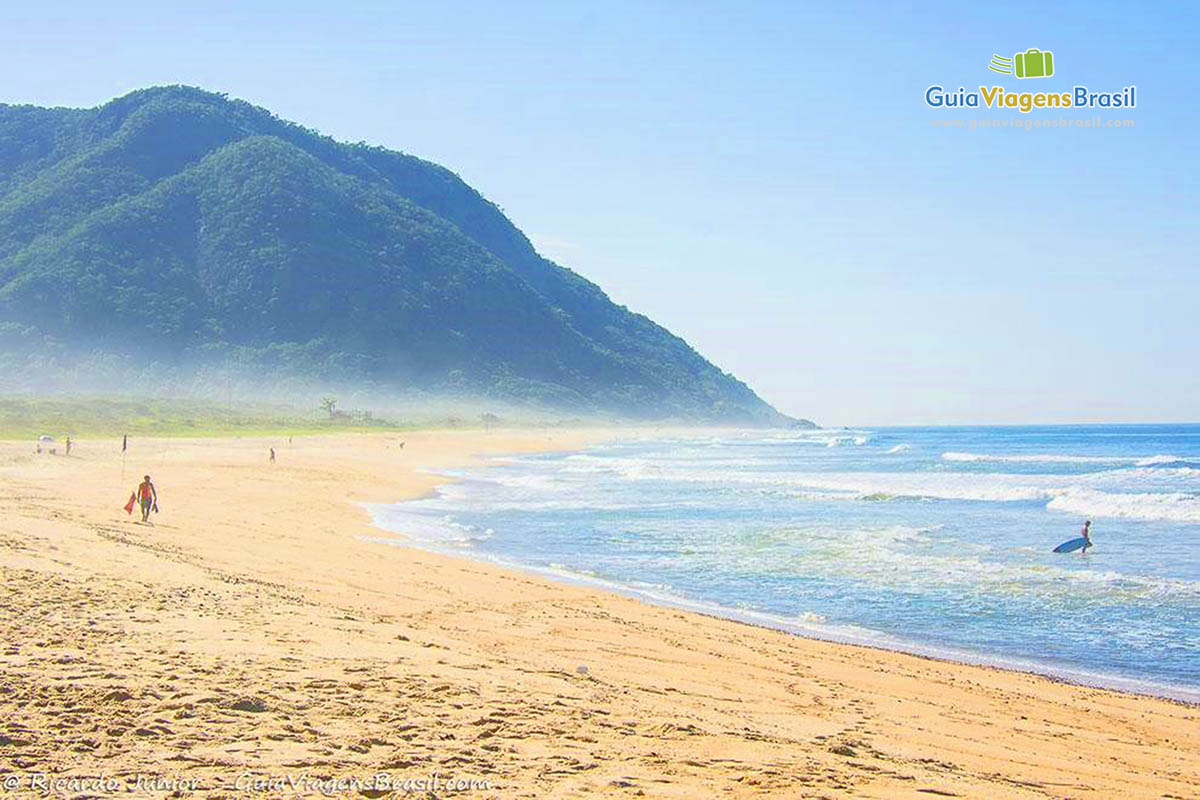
{"x":783,"y":438}
{"x":1170,"y":506}
{"x":845,"y":440}
{"x":1146,"y":493}
{"x":900,"y":448}
{"x":1060,"y":458}
{"x":884,"y":555}
{"x":1115,"y":493}
{"x":874,"y":554}
{"x":434,"y":530}
{"x":1036,"y":458}
{"x":525,"y":481}
{"x":1169,"y":462}
{"x":1076,"y":494}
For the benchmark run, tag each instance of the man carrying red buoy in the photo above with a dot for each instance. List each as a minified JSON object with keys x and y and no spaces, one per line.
{"x":147,"y":497}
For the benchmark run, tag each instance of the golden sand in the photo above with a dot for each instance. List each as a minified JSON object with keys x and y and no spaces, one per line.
{"x":253,"y":643}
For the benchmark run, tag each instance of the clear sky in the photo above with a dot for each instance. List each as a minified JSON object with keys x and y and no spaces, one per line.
{"x":762,"y":178}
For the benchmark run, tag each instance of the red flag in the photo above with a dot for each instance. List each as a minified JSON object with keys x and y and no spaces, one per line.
{"x":132,"y":502}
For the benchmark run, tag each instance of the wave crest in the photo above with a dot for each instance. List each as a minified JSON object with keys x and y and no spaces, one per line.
{"x":1160,"y":461}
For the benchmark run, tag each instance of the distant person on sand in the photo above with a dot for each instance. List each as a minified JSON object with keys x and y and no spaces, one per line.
{"x":148,"y":498}
{"x":1086,"y":533}
{"x":68,"y":445}
{"x":272,"y":455}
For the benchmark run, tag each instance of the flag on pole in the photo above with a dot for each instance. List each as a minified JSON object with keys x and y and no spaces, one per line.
{"x":132,"y":502}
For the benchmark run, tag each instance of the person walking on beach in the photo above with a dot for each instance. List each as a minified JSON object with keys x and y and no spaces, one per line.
{"x":272,"y":455}
{"x":1086,"y":533}
{"x":148,"y":498}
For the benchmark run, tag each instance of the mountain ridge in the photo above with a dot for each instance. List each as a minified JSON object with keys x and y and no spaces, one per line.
{"x":179,"y":225}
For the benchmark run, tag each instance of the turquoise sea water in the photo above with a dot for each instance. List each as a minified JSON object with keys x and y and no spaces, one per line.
{"x":930,"y":540}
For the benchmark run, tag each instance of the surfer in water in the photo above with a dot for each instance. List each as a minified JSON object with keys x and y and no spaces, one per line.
{"x":1087,"y":536}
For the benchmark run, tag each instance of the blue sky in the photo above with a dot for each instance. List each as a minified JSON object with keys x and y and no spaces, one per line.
{"x":762,"y":178}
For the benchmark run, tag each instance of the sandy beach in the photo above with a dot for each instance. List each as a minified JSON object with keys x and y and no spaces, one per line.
{"x":254,"y":642}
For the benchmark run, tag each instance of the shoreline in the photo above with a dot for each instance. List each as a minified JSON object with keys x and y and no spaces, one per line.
{"x":1083,"y":678}
{"x":1184,"y":695}
{"x":1079,"y":678}
{"x":252,"y":630}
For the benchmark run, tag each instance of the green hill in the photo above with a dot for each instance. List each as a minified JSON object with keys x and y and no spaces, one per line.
{"x":177,"y":228}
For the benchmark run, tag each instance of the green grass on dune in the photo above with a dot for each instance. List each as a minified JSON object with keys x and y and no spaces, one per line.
{"x":24,"y":417}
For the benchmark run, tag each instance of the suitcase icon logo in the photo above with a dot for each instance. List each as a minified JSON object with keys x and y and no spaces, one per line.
{"x":1033,"y":63}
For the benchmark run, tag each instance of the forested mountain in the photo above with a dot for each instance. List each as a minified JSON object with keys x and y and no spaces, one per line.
{"x":177,"y":227}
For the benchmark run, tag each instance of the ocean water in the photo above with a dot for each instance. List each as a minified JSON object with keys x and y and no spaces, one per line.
{"x":929,"y":540}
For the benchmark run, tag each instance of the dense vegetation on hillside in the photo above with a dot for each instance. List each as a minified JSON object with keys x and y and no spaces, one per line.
{"x":177,"y":227}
